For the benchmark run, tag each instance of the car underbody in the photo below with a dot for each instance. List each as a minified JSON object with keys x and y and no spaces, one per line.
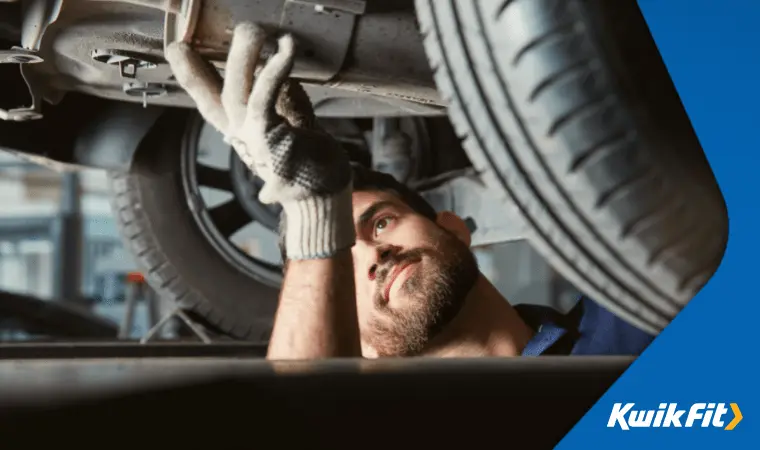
{"x":355,"y":58}
{"x":548,"y":120}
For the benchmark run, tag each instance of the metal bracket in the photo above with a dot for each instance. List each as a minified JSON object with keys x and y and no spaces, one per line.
{"x":22,"y":56}
{"x":127,"y":62}
{"x":24,"y":113}
{"x":179,"y":313}
{"x":38,"y":15}
{"x":324,"y":30}
{"x":18,"y":55}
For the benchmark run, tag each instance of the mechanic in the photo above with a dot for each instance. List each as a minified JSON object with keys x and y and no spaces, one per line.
{"x":370,"y":268}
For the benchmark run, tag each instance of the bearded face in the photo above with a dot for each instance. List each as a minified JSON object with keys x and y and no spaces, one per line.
{"x":412,"y":282}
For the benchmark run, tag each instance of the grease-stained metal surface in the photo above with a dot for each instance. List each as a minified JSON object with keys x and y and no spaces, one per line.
{"x":351,"y":65}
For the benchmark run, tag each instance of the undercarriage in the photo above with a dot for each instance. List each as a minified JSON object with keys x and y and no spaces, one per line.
{"x":355,"y":58}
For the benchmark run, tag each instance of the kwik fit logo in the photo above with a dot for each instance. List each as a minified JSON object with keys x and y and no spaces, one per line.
{"x":669,"y":415}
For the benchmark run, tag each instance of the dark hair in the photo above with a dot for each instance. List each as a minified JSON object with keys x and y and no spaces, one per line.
{"x":369,"y":180}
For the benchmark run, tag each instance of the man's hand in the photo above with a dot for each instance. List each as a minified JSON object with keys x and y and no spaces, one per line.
{"x":270,"y":123}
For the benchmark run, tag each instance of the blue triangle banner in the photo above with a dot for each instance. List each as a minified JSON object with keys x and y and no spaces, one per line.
{"x":696,"y":386}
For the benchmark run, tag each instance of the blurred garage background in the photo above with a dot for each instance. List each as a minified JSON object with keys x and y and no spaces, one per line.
{"x":59,"y":243}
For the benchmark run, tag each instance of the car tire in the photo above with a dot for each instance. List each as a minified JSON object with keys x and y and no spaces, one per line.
{"x":567,"y":109}
{"x":152,"y":211}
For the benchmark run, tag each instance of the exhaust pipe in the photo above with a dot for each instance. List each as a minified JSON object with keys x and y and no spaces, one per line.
{"x":341,"y":43}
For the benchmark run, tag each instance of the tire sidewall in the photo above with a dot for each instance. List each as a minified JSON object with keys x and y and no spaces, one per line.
{"x":179,"y":261}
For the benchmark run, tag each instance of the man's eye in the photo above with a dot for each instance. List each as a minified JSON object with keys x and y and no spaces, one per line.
{"x":382,"y":224}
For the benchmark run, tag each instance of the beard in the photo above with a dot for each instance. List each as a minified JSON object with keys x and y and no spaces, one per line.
{"x":436,"y":291}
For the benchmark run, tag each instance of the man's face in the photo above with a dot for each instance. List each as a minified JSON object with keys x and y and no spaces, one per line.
{"x":412,"y":275}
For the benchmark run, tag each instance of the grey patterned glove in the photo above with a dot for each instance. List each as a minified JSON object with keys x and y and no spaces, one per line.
{"x":270,"y":123}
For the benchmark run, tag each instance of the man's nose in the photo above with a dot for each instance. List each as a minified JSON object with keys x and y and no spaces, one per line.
{"x":383,"y":253}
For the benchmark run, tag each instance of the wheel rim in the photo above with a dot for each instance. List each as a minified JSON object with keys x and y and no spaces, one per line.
{"x":222,"y":198}
{"x":222,"y":195}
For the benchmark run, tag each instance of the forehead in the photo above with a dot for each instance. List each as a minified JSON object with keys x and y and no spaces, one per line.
{"x":364,"y":199}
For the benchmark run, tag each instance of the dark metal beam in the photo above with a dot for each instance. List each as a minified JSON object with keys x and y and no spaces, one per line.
{"x":322,"y":404}
{"x":68,"y":241}
{"x":119,"y":350}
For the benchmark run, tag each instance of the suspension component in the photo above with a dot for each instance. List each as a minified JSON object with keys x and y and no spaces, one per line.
{"x":323,"y":28}
{"x":128,"y":62}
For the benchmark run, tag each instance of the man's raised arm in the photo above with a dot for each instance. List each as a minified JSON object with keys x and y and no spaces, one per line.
{"x":271,"y":125}
{"x":316,"y":317}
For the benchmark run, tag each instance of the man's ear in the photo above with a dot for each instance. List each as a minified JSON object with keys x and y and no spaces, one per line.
{"x":453,"y":223}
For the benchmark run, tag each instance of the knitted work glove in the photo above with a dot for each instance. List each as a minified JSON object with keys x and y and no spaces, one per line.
{"x":270,"y":123}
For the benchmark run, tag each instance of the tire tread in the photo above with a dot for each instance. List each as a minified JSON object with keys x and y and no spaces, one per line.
{"x":608,"y":259}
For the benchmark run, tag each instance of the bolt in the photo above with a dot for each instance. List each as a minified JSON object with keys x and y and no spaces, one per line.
{"x":128,"y":68}
{"x":23,"y":116}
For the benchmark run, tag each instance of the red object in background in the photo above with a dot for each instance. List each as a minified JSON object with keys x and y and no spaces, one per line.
{"x":135,"y":277}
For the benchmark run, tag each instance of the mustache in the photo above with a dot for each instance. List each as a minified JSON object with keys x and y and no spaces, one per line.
{"x":385,"y":270}
{"x":384,"y":273}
